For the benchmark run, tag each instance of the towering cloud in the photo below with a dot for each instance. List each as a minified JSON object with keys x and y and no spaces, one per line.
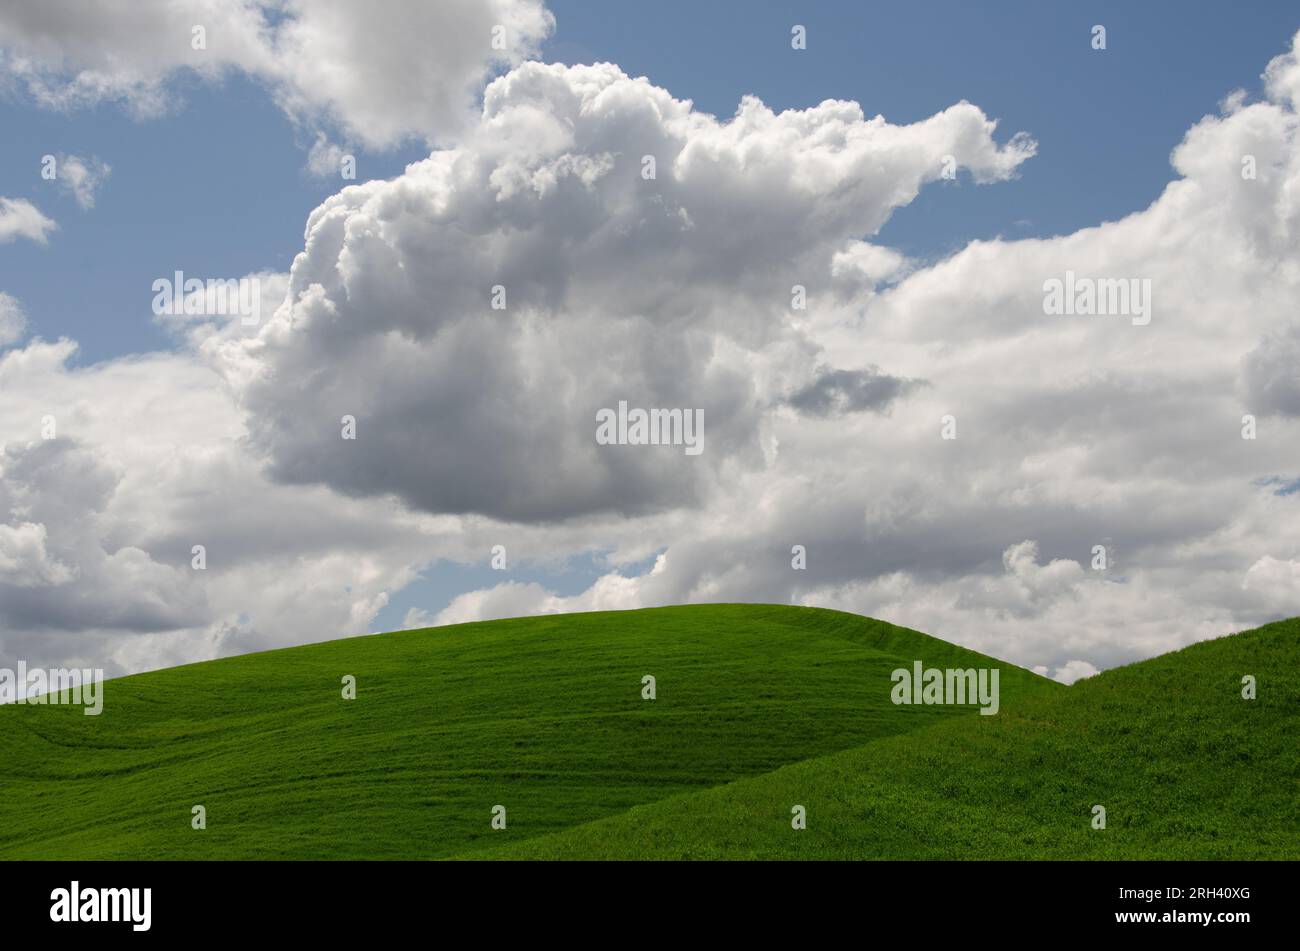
{"x":1098,"y":501}
{"x":594,"y":240}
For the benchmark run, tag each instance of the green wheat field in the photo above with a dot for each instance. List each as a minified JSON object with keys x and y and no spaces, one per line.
{"x":758,"y":708}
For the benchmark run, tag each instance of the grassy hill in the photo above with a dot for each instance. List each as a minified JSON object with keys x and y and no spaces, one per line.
{"x":1185,"y":768}
{"x":543,"y":715}
{"x":758,"y":708}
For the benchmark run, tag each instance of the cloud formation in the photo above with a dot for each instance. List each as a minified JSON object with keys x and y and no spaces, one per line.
{"x":1070,"y":433}
{"x":476,"y":425}
{"x":19,"y":218}
{"x":13,"y":320}
{"x":376,"y":73}
{"x":671,"y":291}
{"x":110,"y":475}
{"x":82,"y":177}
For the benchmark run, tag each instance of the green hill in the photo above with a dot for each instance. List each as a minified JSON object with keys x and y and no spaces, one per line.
{"x":1184,"y":766}
{"x":758,"y":708}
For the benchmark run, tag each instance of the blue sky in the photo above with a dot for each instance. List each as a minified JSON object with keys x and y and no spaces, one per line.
{"x":219,"y":187}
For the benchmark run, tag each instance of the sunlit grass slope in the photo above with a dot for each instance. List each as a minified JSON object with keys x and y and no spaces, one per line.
{"x":545,"y":716}
{"x":1184,"y":766}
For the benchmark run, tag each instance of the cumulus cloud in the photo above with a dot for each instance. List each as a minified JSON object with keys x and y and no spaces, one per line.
{"x":1071,"y":433}
{"x":19,"y":218}
{"x":1069,"y":672}
{"x":664,"y":292}
{"x":1276,"y":582}
{"x":862,"y":266}
{"x":612,"y":592}
{"x":111,"y":474}
{"x":24,"y":561}
{"x":53,"y":491}
{"x":378,"y":73}
{"x":1073,"y":671}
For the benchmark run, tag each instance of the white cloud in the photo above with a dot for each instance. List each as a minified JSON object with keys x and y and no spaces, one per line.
{"x":377,"y":72}
{"x":417,"y":618}
{"x":863,"y":266}
{"x":384,"y":72}
{"x":19,"y":218}
{"x":1073,"y":671}
{"x":97,"y":525}
{"x":81,"y":177}
{"x":24,"y":561}
{"x":1072,"y":433}
{"x":1276,"y":582}
{"x":13,"y":321}
{"x":612,"y":592}
{"x":476,"y":426}
{"x":671,"y":292}
{"x":325,"y":158}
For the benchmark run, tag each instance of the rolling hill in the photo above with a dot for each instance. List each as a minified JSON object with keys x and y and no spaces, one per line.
{"x":758,"y":708}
